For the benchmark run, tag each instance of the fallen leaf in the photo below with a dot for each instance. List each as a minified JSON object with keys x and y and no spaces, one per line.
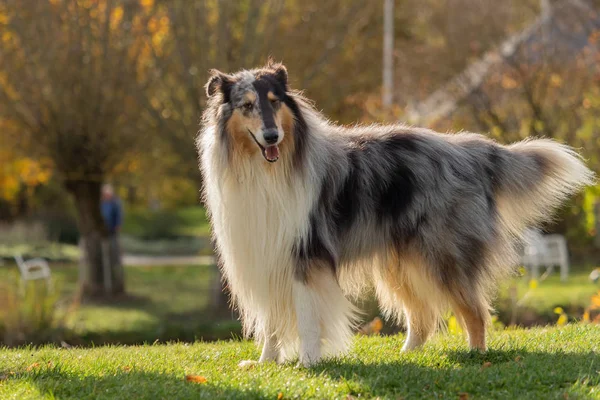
{"x":518,"y":358}
{"x":126,"y":368}
{"x":279,"y":396}
{"x":195,"y":378}
{"x":486,"y":364}
{"x":32,"y":366}
{"x":463,"y":396}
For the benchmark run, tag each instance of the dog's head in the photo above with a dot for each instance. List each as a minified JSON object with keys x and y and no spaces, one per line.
{"x":259,"y":108}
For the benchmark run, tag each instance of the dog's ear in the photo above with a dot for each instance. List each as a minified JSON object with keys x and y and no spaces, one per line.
{"x":280,"y":72}
{"x":218,"y":81}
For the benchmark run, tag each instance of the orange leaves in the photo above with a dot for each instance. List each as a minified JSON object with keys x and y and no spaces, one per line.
{"x":32,"y":367}
{"x":508,"y":82}
{"x":373,"y":327}
{"x":195,"y":379}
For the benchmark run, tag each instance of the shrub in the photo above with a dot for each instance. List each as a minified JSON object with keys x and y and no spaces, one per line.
{"x":32,"y":312}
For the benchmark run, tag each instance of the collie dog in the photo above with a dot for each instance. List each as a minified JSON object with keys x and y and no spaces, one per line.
{"x":307,"y":215}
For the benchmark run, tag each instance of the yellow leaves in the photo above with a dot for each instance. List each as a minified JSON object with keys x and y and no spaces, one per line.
{"x":486,"y":364}
{"x":558,"y":310}
{"x":562,"y":320}
{"x":195,"y":379}
{"x":533,"y":284}
{"x":279,"y":396}
{"x":556,"y":80}
{"x":562,"y":316}
{"x":147,"y":4}
{"x":453,"y":326}
{"x":17,"y":172}
{"x":116,"y":16}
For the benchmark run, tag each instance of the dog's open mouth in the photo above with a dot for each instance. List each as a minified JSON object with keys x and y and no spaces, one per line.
{"x":270,"y":153}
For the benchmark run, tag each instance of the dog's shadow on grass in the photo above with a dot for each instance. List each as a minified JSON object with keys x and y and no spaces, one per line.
{"x":512,"y":373}
{"x":131,"y":385}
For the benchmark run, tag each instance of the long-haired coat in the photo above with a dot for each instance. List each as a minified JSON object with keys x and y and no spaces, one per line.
{"x":305,"y":213}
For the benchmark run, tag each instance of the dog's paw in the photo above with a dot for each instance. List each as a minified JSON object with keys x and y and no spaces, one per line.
{"x":305,"y":363}
{"x":247,"y":364}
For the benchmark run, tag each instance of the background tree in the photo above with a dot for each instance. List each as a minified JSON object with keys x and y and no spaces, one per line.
{"x":67,"y":88}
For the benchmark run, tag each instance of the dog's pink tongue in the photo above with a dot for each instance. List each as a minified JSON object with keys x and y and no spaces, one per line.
{"x":272,"y":153}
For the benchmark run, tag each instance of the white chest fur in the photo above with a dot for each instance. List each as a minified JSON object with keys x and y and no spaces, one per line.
{"x":257,"y":215}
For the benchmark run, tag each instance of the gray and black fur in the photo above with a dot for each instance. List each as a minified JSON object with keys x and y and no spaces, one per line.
{"x":431,"y":220}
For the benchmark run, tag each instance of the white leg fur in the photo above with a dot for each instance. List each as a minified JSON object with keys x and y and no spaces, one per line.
{"x":309,"y":324}
{"x":270,"y":352}
{"x":418,"y":330}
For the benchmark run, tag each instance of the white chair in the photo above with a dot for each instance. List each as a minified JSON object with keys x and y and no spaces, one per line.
{"x":36,"y":268}
{"x":545,"y":251}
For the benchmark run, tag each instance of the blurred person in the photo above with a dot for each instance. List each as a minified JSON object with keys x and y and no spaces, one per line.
{"x":112,"y":213}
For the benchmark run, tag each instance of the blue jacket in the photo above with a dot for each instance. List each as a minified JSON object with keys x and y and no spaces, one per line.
{"x":112,"y":214}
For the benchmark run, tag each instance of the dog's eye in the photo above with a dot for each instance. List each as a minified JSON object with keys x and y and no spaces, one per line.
{"x":248,"y":106}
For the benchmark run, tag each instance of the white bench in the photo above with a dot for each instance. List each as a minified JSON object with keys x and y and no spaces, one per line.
{"x":34,"y":269}
{"x":545,"y":251}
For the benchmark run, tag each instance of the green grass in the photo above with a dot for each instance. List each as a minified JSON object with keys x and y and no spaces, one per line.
{"x":543,"y":363}
{"x":163,"y":302}
{"x":147,"y":224}
{"x":536,"y":306}
{"x":49,"y":250}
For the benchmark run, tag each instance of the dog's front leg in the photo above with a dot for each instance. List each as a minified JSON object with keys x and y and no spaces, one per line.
{"x":308,"y":322}
{"x":270,"y":352}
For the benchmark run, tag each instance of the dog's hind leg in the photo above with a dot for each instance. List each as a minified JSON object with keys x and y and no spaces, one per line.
{"x":420,"y":320}
{"x":471,"y":307}
{"x":405,"y":290}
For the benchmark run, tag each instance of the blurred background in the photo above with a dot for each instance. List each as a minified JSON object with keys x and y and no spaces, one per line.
{"x":96,"y":92}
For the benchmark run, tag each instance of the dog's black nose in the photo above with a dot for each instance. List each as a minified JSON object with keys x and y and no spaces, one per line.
{"x":271,"y":136}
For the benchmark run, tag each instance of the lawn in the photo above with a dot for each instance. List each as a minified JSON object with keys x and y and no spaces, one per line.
{"x":163,"y":302}
{"x":185,"y":221}
{"x":171,"y":302}
{"x":544,"y":363}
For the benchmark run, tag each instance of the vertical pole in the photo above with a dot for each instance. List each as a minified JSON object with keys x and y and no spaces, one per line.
{"x":388,"y":50}
{"x":106,"y":265}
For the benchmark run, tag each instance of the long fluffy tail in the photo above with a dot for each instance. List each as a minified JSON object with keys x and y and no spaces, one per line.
{"x":533,"y":178}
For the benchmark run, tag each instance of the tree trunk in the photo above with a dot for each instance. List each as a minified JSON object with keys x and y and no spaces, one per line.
{"x":100,"y":272}
{"x":219,"y":299}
